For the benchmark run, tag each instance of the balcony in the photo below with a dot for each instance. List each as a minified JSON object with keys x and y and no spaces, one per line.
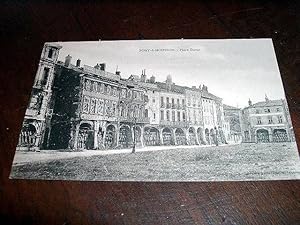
{"x":132,"y":120}
{"x":173,"y":123}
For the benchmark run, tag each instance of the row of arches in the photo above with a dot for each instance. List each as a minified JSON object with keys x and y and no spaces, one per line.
{"x":148,"y":136}
{"x":278,"y":135}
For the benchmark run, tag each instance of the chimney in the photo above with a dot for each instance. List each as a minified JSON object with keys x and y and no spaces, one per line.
{"x":143,"y":76}
{"x":266,"y":98}
{"x":249,"y":102}
{"x":204,"y":88}
{"x":118,"y":73}
{"x":97,"y":66}
{"x":78,"y":63}
{"x":102,"y":66}
{"x":68,"y":60}
{"x":152,"y":79}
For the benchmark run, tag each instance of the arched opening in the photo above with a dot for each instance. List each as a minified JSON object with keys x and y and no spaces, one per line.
{"x":213,"y":136}
{"x":262,"y":136}
{"x":280,"y":135}
{"x":192,"y":136}
{"x":125,"y":138}
{"x":180,"y":137}
{"x":28,"y":135}
{"x":200,"y":136}
{"x":85,"y":136}
{"x":151,"y":136}
{"x":100,"y":138}
{"x":167,"y":136}
{"x":207,"y":136}
{"x":110,"y":136}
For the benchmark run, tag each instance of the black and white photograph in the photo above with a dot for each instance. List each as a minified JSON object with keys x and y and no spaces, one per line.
{"x":157,"y":110}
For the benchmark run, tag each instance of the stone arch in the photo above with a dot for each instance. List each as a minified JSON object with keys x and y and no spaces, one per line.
{"x":167,"y":136}
{"x":207,"y":136}
{"x":151,"y":136}
{"x":125,"y":138}
{"x":28,"y":135}
{"x":110,"y":137}
{"x":180,"y":137}
{"x":200,"y":136}
{"x":85,"y":136}
{"x":213,"y":136}
{"x":192,"y":136}
{"x":262,"y":135}
{"x":280,"y":135}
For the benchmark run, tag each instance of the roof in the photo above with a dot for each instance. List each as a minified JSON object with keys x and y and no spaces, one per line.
{"x":206,"y":94}
{"x":268,"y":103}
{"x":228,"y":107}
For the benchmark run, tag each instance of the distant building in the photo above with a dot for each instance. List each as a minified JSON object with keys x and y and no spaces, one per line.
{"x":232,"y":115}
{"x":267,"y":121}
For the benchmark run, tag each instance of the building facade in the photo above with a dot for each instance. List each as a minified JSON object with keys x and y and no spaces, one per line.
{"x":37,"y":115}
{"x":87,"y":107}
{"x":267,"y":121}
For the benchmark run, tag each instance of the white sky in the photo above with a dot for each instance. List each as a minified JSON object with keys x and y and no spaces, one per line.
{"x":233,"y":69}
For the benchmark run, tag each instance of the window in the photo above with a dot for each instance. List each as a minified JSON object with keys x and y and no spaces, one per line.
{"x":270,"y":119}
{"x":178,"y":102}
{"x":167,"y":100}
{"x":178,"y":116}
{"x":50,"y":53}
{"x":183,"y":116}
{"x":280,"y":119}
{"x":153,"y":115}
{"x":173,"y":115}
{"x":258,"y":120}
{"x":162,"y":115}
{"x":45,"y":76}
{"x":162,"y":101}
{"x":146,"y":113}
{"x":173,"y":102}
{"x":267,"y":110}
{"x":168,"y":116}
{"x":277,"y":109}
{"x":153,"y":100}
{"x":182,"y":102}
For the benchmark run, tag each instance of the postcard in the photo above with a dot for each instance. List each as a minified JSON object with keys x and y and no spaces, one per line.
{"x":157,"y":110}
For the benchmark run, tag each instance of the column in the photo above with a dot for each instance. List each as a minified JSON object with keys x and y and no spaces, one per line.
{"x":161,"y":137}
{"x":187,"y":137}
{"x":76,"y":137}
{"x":174,"y":136}
{"x":96,"y":129}
{"x":197,"y":138}
{"x":142,"y":136}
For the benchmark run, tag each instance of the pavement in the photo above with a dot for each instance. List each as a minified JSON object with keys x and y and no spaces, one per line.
{"x":24,"y":157}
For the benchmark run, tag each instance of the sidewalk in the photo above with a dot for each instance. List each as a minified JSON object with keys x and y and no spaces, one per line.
{"x":24,"y":157}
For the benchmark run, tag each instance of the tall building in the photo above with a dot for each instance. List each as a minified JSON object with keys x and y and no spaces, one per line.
{"x":37,"y":114}
{"x":87,"y":107}
{"x":266,"y":121}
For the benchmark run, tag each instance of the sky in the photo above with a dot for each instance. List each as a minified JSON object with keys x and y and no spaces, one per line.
{"x":233,"y":69}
